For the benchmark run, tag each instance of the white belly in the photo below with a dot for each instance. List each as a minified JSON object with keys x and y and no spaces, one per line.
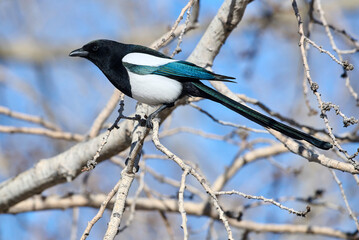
{"x":154,"y":89}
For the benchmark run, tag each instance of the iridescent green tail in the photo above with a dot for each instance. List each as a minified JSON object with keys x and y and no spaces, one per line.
{"x":260,"y":118}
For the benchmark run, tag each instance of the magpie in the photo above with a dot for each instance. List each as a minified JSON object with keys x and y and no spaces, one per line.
{"x":153,"y":78}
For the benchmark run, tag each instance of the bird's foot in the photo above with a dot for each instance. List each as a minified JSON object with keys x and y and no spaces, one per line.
{"x":149,"y":119}
{"x":149,"y":123}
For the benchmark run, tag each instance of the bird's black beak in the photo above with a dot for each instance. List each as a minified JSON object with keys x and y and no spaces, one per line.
{"x":79,"y":53}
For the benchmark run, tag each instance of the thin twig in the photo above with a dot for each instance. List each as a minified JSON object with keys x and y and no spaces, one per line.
{"x":225,"y":138}
{"x":100,"y":211}
{"x":105,"y":113}
{"x":224,"y":123}
{"x":267,"y":200}
{"x":91,"y":163}
{"x":178,"y":48}
{"x":170,"y":34}
{"x":345,"y":199}
{"x":173,"y":182}
{"x":346,"y":65}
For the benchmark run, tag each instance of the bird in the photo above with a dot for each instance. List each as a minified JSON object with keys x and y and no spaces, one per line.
{"x":154,"y":78}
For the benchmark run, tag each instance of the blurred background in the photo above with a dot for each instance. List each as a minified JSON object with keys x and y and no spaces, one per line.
{"x":38,"y":78}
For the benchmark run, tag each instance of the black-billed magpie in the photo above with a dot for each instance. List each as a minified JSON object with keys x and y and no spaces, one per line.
{"x":154,"y":78}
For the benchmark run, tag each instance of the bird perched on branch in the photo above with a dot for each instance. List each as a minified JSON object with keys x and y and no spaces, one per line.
{"x":153,"y":78}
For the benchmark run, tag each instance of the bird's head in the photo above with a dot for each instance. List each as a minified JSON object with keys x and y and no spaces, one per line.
{"x":99,"y":51}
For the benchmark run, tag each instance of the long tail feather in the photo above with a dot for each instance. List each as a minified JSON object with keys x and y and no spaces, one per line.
{"x":260,"y":118}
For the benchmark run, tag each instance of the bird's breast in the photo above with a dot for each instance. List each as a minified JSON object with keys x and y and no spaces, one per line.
{"x":154,"y":89}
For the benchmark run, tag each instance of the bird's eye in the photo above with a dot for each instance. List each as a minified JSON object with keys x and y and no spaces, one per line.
{"x":94,"y":48}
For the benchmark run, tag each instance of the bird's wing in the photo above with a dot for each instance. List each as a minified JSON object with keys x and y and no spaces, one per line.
{"x":142,"y":64}
{"x":186,"y":71}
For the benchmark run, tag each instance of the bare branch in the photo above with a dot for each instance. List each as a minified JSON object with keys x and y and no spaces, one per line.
{"x":249,"y":157}
{"x":127,"y":176}
{"x":178,"y":31}
{"x":169,"y":205}
{"x":314,"y":86}
{"x":44,"y":132}
{"x":181,"y":203}
{"x":104,"y":205}
{"x":199,"y":178}
{"x":30,"y":118}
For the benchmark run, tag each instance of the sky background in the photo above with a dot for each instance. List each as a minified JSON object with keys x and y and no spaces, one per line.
{"x":263,"y":57}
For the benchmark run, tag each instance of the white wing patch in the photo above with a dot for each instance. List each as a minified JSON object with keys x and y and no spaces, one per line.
{"x":146,"y":59}
{"x":154,"y":89}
